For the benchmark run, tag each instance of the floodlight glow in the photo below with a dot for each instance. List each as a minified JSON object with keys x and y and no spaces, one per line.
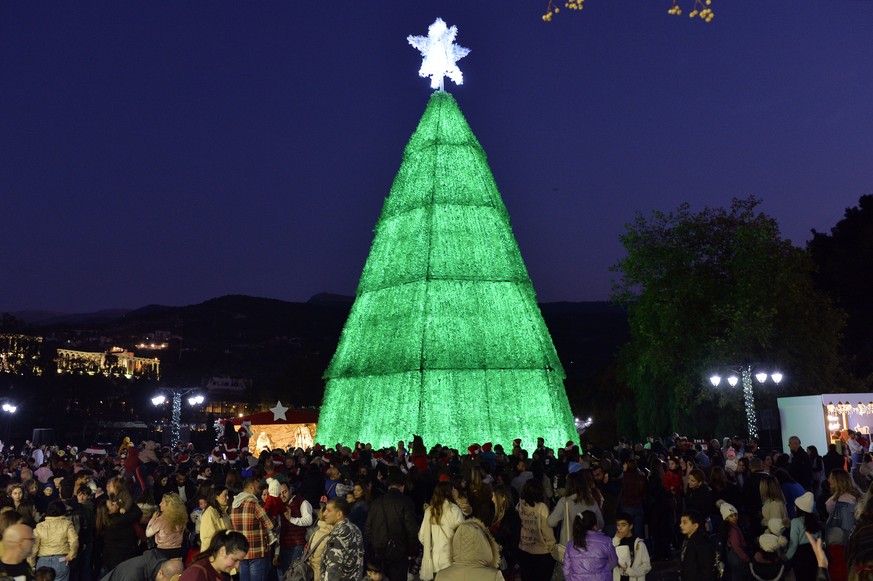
{"x":761,"y":377}
{"x":776,"y":377}
{"x":9,"y":408}
{"x":158,"y":400}
{"x":195,"y":400}
{"x":715,"y":380}
{"x":439,"y":54}
{"x":732,"y":380}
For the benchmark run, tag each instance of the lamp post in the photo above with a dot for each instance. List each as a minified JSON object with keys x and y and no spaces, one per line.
{"x":745,"y":375}
{"x":177,"y":394}
{"x":9,"y":408}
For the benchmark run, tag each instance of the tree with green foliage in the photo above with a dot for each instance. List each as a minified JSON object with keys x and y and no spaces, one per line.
{"x":845,"y":271}
{"x":713,"y":288}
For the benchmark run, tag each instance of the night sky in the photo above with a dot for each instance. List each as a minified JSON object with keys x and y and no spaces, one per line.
{"x":171,"y":152}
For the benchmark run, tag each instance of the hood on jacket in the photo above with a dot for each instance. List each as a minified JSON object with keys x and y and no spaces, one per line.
{"x":473,"y":545}
{"x":242,"y":497}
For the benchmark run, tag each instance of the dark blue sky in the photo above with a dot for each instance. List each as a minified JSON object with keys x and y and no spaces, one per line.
{"x":171,"y":152}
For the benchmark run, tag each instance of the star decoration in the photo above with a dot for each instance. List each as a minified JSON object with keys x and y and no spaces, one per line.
{"x":439,"y":54}
{"x":279,"y":412}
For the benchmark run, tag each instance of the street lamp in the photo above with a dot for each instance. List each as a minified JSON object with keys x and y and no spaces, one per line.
{"x":745,"y":372}
{"x":9,"y":408}
{"x":177,"y":393}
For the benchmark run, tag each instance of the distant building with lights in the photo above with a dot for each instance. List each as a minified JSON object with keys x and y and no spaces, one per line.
{"x":19,"y":354}
{"x":116,"y":362}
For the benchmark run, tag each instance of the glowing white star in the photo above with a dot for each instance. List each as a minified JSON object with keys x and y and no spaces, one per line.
{"x":279,"y":412}
{"x":439,"y":54}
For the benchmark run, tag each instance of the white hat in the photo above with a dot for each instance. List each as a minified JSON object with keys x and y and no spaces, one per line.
{"x":727,"y":509}
{"x":768,"y":543}
{"x":805,"y":502}
{"x":775,"y":526}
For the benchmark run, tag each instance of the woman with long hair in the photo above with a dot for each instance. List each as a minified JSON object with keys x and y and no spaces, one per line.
{"x":506,"y":529}
{"x":590,"y":555}
{"x":772,"y":501}
{"x":215,"y":517}
{"x":22,"y":504}
{"x":441,"y":517}
{"x":225,"y":551}
{"x":578,"y":497}
{"x":800,"y":552}
{"x":537,"y":539}
{"x":117,"y":522}
{"x":167,"y":526}
{"x":841,"y":520}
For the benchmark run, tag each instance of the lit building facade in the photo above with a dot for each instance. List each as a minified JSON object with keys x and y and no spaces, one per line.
{"x":116,"y":362}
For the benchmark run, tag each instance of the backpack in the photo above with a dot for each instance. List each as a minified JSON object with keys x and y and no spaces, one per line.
{"x":301,"y":570}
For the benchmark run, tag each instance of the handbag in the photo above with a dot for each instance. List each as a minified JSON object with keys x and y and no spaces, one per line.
{"x":301,"y":570}
{"x":557,"y":551}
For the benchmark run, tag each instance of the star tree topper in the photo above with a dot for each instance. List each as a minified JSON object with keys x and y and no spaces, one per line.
{"x":439,"y":54}
{"x":279,"y":412}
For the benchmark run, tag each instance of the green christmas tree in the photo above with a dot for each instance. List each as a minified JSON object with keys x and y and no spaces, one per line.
{"x":445,"y":338}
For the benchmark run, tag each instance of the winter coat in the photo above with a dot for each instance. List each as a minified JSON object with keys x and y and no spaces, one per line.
{"x":55,"y":536}
{"x":475,"y":554}
{"x":343,"y":557}
{"x":437,"y":539}
{"x":593,"y":563}
{"x":212,"y":522}
{"x":392,"y":517}
{"x":120,"y":539}
{"x":323,"y":530}
{"x":641,"y":565}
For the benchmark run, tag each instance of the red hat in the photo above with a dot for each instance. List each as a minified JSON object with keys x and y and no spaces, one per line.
{"x":486,"y":447}
{"x":517,"y":441}
{"x":473,"y":450}
{"x":445,"y":477}
{"x":182,"y":458}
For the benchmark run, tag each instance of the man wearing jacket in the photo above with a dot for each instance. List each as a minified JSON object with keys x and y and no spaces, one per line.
{"x":248,"y":517}
{"x":392,"y":529}
{"x":697,"y":560}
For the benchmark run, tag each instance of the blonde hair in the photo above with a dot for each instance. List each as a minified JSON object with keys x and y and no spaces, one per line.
{"x":770,"y":489}
{"x":174,"y":513}
{"x":843,"y":484}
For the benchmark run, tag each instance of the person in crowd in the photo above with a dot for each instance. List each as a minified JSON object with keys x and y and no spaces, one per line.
{"x":215,"y":517}
{"x":772,"y":500}
{"x":768,"y":564}
{"x":392,"y":527}
{"x":833,"y":460}
{"x":441,"y":517}
{"x":633,"y":555}
{"x":16,"y":545}
{"x":343,"y":557}
{"x":699,"y":496}
{"x":475,"y":554}
{"x":225,"y":553}
{"x":817,"y":465}
{"x":294,"y":523}
{"x":841,"y":520}
{"x":578,"y":497}
{"x":117,"y":523}
{"x":152,"y":565}
{"x":167,"y":526}
{"x":589,"y":555}
{"x":22,"y":504}
{"x":506,"y":529}
{"x":733,"y":542}
{"x":633,"y":495}
{"x":536,"y":536}
{"x":359,"y":506}
{"x":698,"y":553}
{"x":801,"y":465}
{"x":248,"y":517}
{"x":800,"y":551}
{"x":56,"y":543}
{"x":791,"y":489}
{"x":317,"y":543}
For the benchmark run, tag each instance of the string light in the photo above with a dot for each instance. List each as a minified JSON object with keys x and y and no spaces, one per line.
{"x":445,"y":338}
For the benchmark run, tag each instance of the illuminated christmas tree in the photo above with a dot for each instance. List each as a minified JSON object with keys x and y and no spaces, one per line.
{"x":445,"y":338}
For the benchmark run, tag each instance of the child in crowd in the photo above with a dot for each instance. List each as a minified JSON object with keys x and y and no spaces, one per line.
{"x":633,"y":556}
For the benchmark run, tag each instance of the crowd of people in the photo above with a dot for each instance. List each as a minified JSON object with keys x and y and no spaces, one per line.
{"x":717,"y":510}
